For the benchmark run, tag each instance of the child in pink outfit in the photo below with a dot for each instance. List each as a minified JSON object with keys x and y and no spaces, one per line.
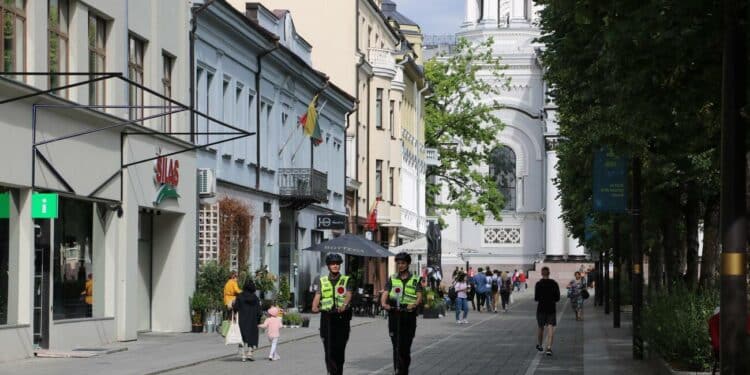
{"x":272,"y":324}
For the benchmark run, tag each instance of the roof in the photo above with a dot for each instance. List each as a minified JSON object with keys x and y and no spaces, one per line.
{"x":389,"y":10}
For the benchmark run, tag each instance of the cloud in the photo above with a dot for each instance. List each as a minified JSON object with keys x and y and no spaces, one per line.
{"x":435,"y":17}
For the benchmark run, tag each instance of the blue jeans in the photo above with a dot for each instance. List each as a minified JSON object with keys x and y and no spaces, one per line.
{"x":461,"y":305}
{"x":488,"y":300}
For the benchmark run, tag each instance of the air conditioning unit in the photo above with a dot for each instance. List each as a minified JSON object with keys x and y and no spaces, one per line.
{"x":206,"y":182}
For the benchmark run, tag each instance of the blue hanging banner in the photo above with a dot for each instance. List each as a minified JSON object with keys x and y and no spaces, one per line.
{"x":610,"y":182}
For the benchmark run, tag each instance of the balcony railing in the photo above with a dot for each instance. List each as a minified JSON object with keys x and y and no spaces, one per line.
{"x":303,"y":185}
{"x":383,"y":63}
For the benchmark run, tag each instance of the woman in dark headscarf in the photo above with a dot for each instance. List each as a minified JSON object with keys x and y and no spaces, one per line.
{"x":248,"y":307}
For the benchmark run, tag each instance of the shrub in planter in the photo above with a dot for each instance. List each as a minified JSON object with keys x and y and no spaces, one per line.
{"x":199,"y":302}
{"x":305,"y":322}
{"x":675,"y":327}
{"x":292,"y":319}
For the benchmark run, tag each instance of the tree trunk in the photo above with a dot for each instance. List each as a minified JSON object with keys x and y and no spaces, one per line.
{"x":692,"y":211}
{"x":656,"y":269}
{"x":709,"y":262}
{"x":671,"y":246}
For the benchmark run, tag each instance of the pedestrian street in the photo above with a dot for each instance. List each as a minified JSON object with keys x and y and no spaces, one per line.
{"x":501,"y":343}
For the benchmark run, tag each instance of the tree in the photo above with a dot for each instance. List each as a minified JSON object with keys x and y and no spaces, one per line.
{"x":235,"y":221}
{"x":463,"y":126}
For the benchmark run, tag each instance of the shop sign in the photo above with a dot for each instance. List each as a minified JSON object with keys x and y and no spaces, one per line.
{"x":44,"y":206}
{"x":166,"y":178}
{"x":331,"y":221}
{"x":5,"y":205}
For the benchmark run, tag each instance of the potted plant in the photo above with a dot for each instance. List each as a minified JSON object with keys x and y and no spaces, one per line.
{"x":433,"y":305}
{"x":198,"y":304}
{"x":292,"y":319}
{"x":305,"y":322}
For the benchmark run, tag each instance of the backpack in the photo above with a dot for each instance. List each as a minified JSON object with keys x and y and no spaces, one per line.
{"x":504,"y":285}
{"x":494,"y":285}
{"x":452,"y":294}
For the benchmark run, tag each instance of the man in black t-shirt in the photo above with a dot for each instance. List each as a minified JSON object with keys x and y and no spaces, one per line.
{"x":547,"y":294}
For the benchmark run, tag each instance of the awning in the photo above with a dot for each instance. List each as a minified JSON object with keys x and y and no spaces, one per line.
{"x":353,"y":245}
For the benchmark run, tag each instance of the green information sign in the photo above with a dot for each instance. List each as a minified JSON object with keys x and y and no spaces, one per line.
{"x":4,"y":205}
{"x":610,"y":181}
{"x":44,"y":206}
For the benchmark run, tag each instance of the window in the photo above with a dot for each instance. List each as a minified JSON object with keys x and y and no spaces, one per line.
{"x":166,"y":81}
{"x":503,"y":170}
{"x":209,"y":91}
{"x":14,"y":24}
{"x":379,"y":109}
{"x":73,"y":260}
{"x":97,"y":57}
{"x":136,"y":49}
{"x":392,"y":118}
{"x":378,"y":178}
{"x":57,"y":24}
{"x":390,"y":185}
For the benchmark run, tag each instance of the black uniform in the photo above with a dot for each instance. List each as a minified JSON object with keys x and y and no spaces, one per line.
{"x":402,"y":325}
{"x":334,"y":331}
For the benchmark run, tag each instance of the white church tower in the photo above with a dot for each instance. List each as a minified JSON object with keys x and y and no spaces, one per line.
{"x":530,"y":228}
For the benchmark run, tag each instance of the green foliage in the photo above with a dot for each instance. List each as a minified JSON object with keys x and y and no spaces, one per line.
{"x":265,"y":281}
{"x":211,"y":280}
{"x":199,"y":303}
{"x":283,"y":297}
{"x":432,"y":299}
{"x":292,"y":319}
{"x":675,"y":326}
{"x":463,"y":125}
{"x":635,"y":76}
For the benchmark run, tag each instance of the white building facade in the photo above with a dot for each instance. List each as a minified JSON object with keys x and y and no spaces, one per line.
{"x":530,"y":228}
{"x":106,"y":265}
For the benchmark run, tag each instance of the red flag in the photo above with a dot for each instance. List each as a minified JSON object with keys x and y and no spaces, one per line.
{"x":372,"y":217}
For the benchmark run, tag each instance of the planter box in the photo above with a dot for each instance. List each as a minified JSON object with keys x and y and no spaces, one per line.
{"x":431,"y":314}
{"x":197,"y":329}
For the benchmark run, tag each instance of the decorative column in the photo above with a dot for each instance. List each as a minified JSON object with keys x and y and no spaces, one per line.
{"x":489,"y":15}
{"x":554,"y":227}
{"x":575,"y":251}
{"x":472,"y":13}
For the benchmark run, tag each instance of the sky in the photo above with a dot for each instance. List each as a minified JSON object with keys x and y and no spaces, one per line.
{"x":435,"y":17}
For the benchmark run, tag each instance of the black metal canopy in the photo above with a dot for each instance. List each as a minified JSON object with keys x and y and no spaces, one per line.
{"x":353,"y":245}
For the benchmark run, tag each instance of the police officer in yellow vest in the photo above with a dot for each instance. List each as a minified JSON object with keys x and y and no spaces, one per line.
{"x":332,"y":296}
{"x":403,"y":293}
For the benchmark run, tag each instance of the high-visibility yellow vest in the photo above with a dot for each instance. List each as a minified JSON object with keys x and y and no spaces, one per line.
{"x":408,"y":291}
{"x":328,"y":295}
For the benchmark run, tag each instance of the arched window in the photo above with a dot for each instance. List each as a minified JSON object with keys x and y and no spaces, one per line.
{"x":503,"y":170}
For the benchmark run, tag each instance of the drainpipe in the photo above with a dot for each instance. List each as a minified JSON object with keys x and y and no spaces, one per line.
{"x":257,"y":112}
{"x":356,"y":125}
{"x":348,"y":116}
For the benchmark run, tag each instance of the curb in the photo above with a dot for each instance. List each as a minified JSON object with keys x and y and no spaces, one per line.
{"x":665,"y":369}
{"x":191,"y":364}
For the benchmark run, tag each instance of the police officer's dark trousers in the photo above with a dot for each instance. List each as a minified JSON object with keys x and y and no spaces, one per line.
{"x":334,"y":330}
{"x":402,"y":326}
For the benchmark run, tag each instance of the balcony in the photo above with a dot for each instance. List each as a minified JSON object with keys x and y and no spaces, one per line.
{"x":301,"y":187}
{"x":382,"y":62}
{"x":432,"y":157}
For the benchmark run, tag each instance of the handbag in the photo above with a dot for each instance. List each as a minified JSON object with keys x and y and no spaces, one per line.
{"x":585,"y":294}
{"x":225,"y":327}
{"x":234,"y":336}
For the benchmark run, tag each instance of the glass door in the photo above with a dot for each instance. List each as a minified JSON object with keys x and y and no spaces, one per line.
{"x":42,"y":242}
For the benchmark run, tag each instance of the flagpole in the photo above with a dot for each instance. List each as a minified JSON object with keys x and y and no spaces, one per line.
{"x":299,"y":145}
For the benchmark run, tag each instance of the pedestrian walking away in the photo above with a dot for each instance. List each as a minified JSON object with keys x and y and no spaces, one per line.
{"x":273,"y":325}
{"x":547,"y":294}
{"x":480,"y":283}
{"x":402,"y":295}
{"x":333,"y":294}
{"x":505,"y":290}
{"x":576,"y":289}
{"x":461,"y":287}
{"x":247,"y":306}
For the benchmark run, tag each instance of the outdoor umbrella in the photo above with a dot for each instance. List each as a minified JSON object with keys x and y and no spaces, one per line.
{"x":353,"y":245}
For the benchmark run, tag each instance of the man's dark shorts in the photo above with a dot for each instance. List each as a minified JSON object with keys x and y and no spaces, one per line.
{"x":543,"y":319}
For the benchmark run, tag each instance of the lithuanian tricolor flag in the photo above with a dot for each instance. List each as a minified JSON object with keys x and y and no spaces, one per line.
{"x":309,"y":122}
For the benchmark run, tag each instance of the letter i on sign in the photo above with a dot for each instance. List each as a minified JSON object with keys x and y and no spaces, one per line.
{"x":44,"y":205}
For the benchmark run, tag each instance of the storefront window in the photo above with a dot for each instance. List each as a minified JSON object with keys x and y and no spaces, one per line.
{"x":73,"y":260}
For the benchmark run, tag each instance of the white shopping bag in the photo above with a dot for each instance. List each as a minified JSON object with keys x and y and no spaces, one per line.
{"x":511,"y":299}
{"x":234,"y":336}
